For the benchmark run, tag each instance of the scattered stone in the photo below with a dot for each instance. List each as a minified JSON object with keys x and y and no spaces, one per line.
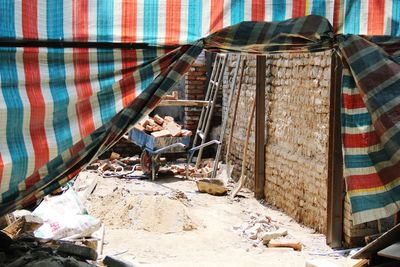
{"x":256,"y":228}
{"x":214,"y":187}
{"x":158,"y":120}
{"x":114,"y":156}
{"x":162,"y":133}
{"x":268,"y":236}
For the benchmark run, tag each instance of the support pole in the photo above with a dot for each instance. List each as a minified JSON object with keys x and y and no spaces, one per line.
{"x":335,"y":159}
{"x":260,"y":128}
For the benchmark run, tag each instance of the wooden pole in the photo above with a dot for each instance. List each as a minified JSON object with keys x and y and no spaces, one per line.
{"x":335,"y":159}
{"x":260,"y":128}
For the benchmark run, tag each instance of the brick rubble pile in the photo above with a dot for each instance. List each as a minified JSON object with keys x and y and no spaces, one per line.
{"x":162,"y":127}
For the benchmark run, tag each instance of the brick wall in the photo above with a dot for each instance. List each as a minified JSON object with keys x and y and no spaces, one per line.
{"x":354,"y":234}
{"x":297,"y":127}
{"x":297,"y":107}
{"x":195,"y":88}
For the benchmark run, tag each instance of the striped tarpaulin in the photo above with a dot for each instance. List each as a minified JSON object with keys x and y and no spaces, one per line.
{"x":181,"y":21}
{"x":371,"y":128}
{"x":60,"y":107}
{"x":71,"y":130}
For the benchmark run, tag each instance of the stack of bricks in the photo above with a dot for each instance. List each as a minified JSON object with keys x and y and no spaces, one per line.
{"x":195,"y":88}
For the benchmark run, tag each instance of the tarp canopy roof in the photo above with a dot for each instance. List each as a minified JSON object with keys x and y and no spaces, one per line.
{"x":60,"y":107}
{"x":177,"y":22}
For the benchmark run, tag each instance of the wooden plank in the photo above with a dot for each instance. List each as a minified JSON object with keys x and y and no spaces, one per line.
{"x":260,"y":128}
{"x":387,"y":239}
{"x":392,"y":252}
{"x":358,"y":263}
{"x":294,"y":244}
{"x":100,"y":243}
{"x":183,"y":103}
{"x":335,"y":159}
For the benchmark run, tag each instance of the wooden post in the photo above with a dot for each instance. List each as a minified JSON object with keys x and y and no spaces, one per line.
{"x":260,"y":128}
{"x":335,"y":159}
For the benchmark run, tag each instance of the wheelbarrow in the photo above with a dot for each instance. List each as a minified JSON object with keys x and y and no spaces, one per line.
{"x":154,"y":147}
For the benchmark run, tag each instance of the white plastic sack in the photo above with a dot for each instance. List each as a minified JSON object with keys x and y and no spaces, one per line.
{"x":64,"y":216}
{"x":69,"y":225}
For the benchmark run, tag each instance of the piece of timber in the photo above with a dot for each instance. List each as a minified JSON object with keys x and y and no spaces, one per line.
{"x":259,"y":164}
{"x":334,"y":232}
{"x":387,"y":239}
{"x":392,"y":251}
{"x":183,"y":102}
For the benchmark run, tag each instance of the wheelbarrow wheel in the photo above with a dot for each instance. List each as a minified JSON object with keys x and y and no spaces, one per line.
{"x":147,"y":162}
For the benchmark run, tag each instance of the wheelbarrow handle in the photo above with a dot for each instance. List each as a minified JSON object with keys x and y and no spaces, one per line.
{"x":212,"y":142}
{"x":161,"y":150}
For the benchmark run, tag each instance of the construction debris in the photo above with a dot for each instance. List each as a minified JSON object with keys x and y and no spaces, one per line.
{"x":162,"y":127}
{"x":273,"y":235}
{"x":35,"y":252}
{"x":26,"y":224}
{"x":261,"y":230}
{"x":114,"y":156}
{"x":255,"y":228}
{"x":129,"y":167}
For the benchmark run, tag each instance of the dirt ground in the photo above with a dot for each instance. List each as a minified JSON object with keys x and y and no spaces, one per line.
{"x":169,"y":223}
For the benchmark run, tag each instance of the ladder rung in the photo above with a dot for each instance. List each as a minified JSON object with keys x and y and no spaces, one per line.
{"x":214,"y":82}
{"x":201,"y":134}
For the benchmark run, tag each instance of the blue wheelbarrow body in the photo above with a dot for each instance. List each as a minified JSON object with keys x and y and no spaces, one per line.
{"x":153,"y":147}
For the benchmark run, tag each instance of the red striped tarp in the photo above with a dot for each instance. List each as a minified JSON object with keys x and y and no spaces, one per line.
{"x":371,"y":126}
{"x":181,"y":21}
{"x":60,"y":107}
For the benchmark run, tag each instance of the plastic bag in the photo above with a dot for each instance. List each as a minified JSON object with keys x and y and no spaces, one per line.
{"x":64,"y":216}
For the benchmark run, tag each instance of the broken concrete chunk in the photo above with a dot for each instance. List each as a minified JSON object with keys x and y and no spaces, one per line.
{"x":268,"y":236}
{"x":253,"y":231}
{"x":186,"y":133}
{"x":139,"y":127}
{"x":173,"y":128}
{"x":163,"y":133}
{"x":145,"y":122}
{"x":114,"y":156}
{"x":212,"y":186}
{"x":148,"y":128}
{"x":158,"y":120}
{"x":168,"y":119}
{"x":157,"y":128}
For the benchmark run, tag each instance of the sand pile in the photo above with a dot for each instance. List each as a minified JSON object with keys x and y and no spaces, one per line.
{"x":153,"y":213}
